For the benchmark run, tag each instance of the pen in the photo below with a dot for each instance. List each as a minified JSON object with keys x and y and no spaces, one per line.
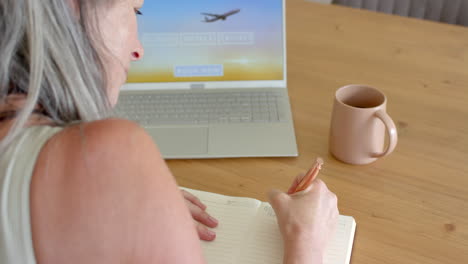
{"x":309,"y":177}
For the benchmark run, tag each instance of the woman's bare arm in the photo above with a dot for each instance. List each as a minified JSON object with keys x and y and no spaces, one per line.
{"x":101,"y":193}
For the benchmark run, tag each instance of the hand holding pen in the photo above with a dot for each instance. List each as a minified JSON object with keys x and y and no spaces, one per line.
{"x":307,"y":215}
{"x":303,"y":181}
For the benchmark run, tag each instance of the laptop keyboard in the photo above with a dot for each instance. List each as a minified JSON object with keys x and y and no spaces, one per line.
{"x":204,"y":108}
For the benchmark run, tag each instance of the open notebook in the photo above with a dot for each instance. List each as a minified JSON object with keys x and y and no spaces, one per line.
{"x":248,"y":233}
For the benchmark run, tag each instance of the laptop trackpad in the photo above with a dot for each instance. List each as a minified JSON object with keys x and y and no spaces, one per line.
{"x":181,"y":141}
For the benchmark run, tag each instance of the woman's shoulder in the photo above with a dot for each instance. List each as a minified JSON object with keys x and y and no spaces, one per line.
{"x":101,"y":130}
{"x":116,"y":136}
{"x":101,"y":146}
{"x":107,"y":180}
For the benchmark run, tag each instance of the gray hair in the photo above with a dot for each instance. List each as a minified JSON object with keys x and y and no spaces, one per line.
{"x":54,"y":57}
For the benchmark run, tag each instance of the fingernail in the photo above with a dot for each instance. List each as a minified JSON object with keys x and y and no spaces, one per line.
{"x":210,"y":233}
{"x":212,"y":219}
{"x":203,"y":206}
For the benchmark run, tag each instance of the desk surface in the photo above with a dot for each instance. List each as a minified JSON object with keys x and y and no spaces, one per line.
{"x":410,"y":207}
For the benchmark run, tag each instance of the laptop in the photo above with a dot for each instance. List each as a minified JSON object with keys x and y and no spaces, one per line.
{"x":212,"y":82}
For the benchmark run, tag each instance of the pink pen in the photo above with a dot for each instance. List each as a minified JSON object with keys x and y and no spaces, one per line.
{"x":309,"y":177}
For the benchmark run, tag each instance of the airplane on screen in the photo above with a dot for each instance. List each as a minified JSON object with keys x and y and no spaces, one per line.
{"x":216,"y":17}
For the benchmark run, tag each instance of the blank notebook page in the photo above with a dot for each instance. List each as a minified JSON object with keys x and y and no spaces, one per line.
{"x":234,"y":216}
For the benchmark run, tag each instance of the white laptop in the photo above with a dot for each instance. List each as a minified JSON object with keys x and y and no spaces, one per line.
{"x":212,"y":83}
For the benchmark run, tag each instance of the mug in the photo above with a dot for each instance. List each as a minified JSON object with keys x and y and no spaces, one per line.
{"x":358,"y":124}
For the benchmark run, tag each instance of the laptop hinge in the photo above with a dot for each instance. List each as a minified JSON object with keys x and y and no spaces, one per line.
{"x":197,"y":86}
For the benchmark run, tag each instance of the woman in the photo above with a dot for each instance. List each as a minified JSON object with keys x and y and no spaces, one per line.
{"x":79,"y":187}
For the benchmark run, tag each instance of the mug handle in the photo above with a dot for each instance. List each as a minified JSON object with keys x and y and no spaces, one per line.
{"x":391,"y":132}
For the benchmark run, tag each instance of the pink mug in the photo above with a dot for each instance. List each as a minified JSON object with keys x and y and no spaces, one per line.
{"x":358,"y":125}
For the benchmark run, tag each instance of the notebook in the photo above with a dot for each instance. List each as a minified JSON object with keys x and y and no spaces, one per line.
{"x":248,"y":233}
{"x":212,"y":82}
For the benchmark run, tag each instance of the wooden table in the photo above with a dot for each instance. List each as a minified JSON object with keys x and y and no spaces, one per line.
{"x":410,"y":207}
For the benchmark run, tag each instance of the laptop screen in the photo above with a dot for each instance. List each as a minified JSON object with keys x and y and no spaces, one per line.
{"x":210,"y":41}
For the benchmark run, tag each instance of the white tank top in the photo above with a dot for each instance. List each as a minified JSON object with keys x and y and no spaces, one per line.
{"x":16,"y":169}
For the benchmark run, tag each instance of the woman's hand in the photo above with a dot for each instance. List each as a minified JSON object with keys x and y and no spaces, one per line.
{"x":306,"y":220}
{"x":201,"y":217}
